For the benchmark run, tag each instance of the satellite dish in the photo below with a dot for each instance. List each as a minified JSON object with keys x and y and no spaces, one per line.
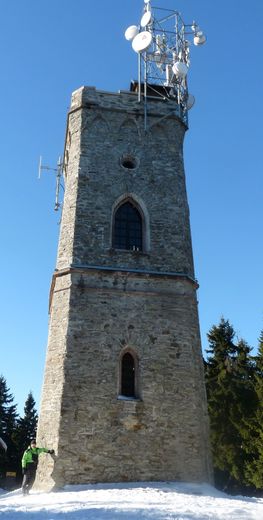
{"x":131,"y":32}
{"x":199,"y":38}
{"x":146,"y":18}
{"x":180,"y":69}
{"x":190,"y":101}
{"x":142,"y":41}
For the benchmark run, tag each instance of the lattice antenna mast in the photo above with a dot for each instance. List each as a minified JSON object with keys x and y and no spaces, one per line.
{"x":59,"y":174}
{"x":162,"y":41}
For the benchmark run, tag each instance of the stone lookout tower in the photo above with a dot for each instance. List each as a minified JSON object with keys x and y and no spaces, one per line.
{"x":123,"y":396}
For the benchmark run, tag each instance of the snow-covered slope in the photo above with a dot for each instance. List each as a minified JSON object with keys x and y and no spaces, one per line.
{"x":131,"y":501}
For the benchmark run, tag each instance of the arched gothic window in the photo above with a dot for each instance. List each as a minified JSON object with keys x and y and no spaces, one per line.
{"x":127,"y":228}
{"x":128,"y":376}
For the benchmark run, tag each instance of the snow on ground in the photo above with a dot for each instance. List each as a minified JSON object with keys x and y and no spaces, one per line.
{"x":131,"y":501}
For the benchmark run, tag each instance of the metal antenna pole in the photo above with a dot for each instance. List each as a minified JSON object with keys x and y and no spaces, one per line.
{"x":177,"y":52}
{"x":59,"y":172}
{"x":139,"y":78}
{"x":58,"y":176}
{"x":145,"y":92}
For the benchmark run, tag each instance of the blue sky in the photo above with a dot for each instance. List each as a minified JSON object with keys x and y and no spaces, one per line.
{"x":48,"y":49}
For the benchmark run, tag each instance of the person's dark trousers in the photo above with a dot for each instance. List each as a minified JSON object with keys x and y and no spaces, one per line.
{"x":28,"y":479}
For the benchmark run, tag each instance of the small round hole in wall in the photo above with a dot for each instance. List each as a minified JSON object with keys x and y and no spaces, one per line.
{"x":129,"y":162}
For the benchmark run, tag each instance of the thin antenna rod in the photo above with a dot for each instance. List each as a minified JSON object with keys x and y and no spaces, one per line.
{"x":58,"y":177}
{"x":139,"y":78}
{"x":145,"y":96}
{"x":59,"y":173}
{"x":40,"y":166}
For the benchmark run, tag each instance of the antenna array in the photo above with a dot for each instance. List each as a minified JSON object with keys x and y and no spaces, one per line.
{"x":163,"y":46}
{"x":59,"y":174}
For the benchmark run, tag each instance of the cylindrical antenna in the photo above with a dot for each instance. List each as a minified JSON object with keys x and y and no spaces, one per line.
{"x":40,"y":166}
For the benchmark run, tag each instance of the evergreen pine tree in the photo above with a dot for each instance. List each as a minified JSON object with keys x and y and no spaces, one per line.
{"x":244,"y":407}
{"x":8,"y":423}
{"x":27,"y":425}
{"x":217,"y":372}
{"x":229,"y":380}
{"x":254,"y":464}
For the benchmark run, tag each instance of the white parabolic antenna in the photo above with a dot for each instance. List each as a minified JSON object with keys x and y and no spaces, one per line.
{"x":180,"y":69}
{"x":146,"y":18}
{"x":190,"y":101}
{"x":142,"y":41}
{"x":131,"y":32}
{"x":199,"y":39}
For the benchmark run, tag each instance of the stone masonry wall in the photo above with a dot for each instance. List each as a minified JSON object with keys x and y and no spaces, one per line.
{"x":104,"y":300}
{"x":106,"y":128}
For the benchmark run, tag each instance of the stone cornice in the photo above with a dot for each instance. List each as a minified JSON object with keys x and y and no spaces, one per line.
{"x":83,"y":268}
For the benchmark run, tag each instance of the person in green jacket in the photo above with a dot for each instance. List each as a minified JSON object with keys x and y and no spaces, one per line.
{"x":29,"y":465}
